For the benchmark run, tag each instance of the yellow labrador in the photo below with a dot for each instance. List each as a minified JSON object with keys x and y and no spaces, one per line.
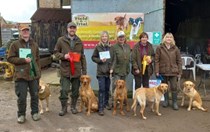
{"x":195,"y":98}
{"x":149,"y":94}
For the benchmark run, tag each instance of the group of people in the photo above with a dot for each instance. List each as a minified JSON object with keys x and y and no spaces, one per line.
{"x":165,"y":62}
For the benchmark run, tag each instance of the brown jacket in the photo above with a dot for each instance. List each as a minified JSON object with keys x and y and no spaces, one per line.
{"x":63,"y":47}
{"x":22,"y":69}
{"x":168,"y":61}
{"x":136,"y":59}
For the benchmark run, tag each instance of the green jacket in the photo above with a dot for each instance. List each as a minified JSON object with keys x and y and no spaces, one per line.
{"x":22,"y":69}
{"x":136,"y":59}
{"x":168,"y":61}
{"x":103,"y":68}
{"x":63,"y":47}
{"x":120,"y":59}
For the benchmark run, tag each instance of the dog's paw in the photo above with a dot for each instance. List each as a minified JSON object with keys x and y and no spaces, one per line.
{"x":188,"y":109}
{"x":134,"y":114}
{"x":144,"y":118}
{"x":47,"y":110}
{"x":159,"y":114}
{"x":182,"y":104}
{"x":114,"y":113}
{"x":122,"y":113}
{"x":128,"y":109}
{"x":88,"y":113}
{"x":41,"y":111}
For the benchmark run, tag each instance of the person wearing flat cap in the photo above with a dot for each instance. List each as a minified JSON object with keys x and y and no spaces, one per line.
{"x":120,"y":54}
{"x":69,"y":50}
{"x":24,"y":55}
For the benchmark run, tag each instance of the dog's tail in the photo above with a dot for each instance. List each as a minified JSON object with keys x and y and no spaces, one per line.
{"x":134,"y":101}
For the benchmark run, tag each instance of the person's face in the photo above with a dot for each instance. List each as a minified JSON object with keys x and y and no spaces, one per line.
{"x":168,"y":39}
{"x":121,"y":39}
{"x":25,"y":33}
{"x":104,"y":38}
{"x":144,"y":39}
{"x":72,"y":30}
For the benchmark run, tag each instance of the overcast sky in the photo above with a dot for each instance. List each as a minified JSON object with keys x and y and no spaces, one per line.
{"x":18,"y":10}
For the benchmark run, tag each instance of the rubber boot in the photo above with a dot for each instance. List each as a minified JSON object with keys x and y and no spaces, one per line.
{"x":174,"y":101}
{"x":166,"y":100}
{"x":63,"y":109}
{"x":100,"y":104}
{"x":73,"y":106}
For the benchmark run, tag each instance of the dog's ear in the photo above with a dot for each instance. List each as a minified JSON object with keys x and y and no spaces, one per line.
{"x":193,"y":85}
{"x":184,"y":84}
{"x":131,"y":20}
{"x":89,"y":78}
{"x":81,"y":78}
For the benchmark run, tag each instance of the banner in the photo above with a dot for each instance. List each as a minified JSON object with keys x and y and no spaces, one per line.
{"x":90,"y":25}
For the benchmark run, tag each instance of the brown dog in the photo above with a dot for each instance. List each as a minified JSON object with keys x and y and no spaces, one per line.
{"x":149,"y":94}
{"x":44,"y":94}
{"x":121,"y":23}
{"x":120,"y":94}
{"x":88,"y":98}
{"x":195,"y":99}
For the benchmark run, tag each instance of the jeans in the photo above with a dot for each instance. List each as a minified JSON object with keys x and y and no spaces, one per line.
{"x":103,"y":94}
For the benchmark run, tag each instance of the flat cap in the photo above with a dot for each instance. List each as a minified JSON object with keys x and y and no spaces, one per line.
{"x":71,"y":24}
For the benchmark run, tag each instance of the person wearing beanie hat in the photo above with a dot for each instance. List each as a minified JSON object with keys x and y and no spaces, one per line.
{"x":69,"y":50}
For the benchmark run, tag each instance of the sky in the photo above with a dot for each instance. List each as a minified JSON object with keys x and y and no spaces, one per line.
{"x":18,"y":10}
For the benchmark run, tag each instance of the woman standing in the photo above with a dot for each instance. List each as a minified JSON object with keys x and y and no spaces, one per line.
{"x":103,"y":68}
{"x":141,"y":59}
{"x":168,"y":64}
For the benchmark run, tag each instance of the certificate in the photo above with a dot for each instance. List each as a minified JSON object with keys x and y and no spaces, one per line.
{"x":104,"y":55}
{"x":24,"y":52}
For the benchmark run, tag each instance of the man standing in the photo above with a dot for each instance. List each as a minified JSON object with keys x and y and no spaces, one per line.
{"x":120,"y":53}
{"x":24,"y":54}
{"x":69,"y":49}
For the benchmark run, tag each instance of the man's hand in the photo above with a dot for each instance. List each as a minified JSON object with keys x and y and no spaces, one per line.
{"x":28,"y":60}
{"x":67,"y":56}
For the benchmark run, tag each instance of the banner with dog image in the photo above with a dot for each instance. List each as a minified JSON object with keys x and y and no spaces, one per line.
{"x":91,"y":24}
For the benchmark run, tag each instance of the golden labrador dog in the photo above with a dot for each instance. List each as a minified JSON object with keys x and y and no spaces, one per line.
{"x":88,"y":98}
{"x":120,"y":94}
{"x":195,"y":99}
{"x":149,"y":94}
{"x":44,"y":94}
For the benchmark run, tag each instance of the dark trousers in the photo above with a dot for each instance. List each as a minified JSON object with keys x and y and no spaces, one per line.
{"x":103,"y":95}
{"x":171,"y":81}
{"x":66,"y":83}
{"x":21,"y":89}
{"x":141,"y":79}
{"x":114,"y":79}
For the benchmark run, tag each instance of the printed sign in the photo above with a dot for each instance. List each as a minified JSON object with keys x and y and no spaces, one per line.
{"x":90,"y":25}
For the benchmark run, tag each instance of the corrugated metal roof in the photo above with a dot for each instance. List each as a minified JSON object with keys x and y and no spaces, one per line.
{"x":51,"y":14}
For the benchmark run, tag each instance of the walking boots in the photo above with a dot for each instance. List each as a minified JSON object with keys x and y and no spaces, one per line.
{"x":63,"y":109}
{"x":174,"y":101}
{"x":166,"y":100}
{"x":73,"y":106}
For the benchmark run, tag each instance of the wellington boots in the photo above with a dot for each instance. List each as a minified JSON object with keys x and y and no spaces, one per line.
{"x":166,"y":100}
{"x":174,"y":101}
{"x":73,"y":106}
{"x":63,"y":109}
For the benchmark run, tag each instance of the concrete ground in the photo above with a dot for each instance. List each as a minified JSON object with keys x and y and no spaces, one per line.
{"x":170,"y":121}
